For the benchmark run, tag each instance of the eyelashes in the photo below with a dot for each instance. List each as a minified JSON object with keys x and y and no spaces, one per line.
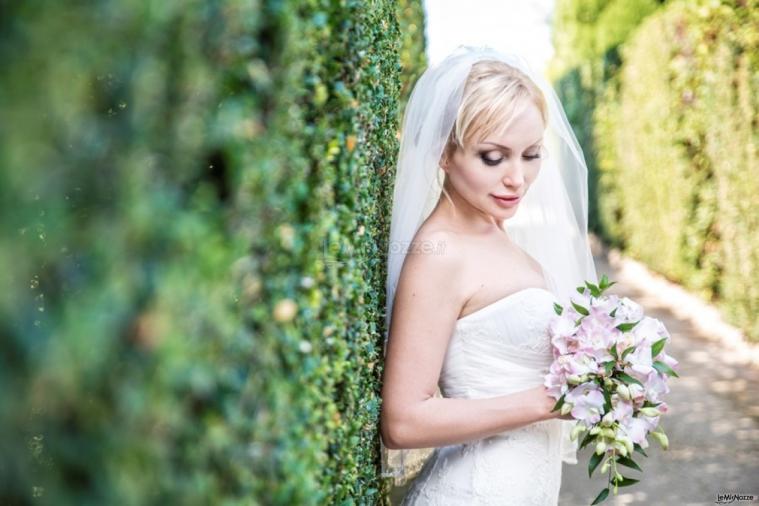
{"x":492,"y":163}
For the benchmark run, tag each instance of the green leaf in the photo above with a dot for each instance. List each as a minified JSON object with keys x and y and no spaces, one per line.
{"x":604,"y":283}
{"x":594,"y":291}
{"x":664,"y":369}
{"x":559,"y":403}
{"x":557,"y":307}
{"x":609,"y":366}
{"x":580,"y":309}
{"x":627,"y":352}
{"x":624,"y":327}
{"x":607,"y":400}
{"x":587,"y":440}
{"x":595,"y":459}
{"x":613,"y":312}
{"x":657,"y":347}
{"x":627,"y":378}
{"x":581,"y":290}
{"x":613,"y":351}
{"x":625,"y":481}
{"x":601,"y":497}
{"x":639,"y":449}
{"x":627,"y":461}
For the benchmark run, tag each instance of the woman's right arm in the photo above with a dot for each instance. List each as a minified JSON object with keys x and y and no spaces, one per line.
{"x":427,"y":303}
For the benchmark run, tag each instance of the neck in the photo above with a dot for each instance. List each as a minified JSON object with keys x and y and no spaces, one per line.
{"x":462,"y":215}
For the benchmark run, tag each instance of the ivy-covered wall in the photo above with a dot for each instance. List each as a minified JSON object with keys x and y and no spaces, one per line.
{"x":672,"y":135}
{"x":193,"y":206}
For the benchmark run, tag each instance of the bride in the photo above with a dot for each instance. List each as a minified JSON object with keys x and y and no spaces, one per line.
{"x":473,"y":276}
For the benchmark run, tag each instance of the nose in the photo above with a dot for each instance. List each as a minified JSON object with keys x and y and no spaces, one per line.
{"x":514,"y":176}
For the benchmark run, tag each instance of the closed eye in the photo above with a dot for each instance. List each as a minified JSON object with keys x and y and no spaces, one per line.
{"x":494,"y":162}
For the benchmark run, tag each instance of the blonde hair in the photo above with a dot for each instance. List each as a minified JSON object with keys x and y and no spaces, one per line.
{"x":494,"y":94}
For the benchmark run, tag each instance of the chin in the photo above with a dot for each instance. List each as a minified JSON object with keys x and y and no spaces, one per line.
{"x":509,"y":213}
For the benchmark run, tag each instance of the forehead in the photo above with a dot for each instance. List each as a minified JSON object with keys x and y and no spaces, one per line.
{"x":520,"y":131}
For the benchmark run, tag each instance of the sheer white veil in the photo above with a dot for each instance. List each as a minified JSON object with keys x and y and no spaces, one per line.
{"x":550,"y":223}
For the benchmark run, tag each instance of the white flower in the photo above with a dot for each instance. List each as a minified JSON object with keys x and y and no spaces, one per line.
{"x":628,"y":311}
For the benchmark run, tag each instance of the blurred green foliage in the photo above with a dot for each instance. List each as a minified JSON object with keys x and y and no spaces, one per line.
{"x":682,"y":137}
{"x":193,"y":204}
{"x":587,"y":35}
{"x":671,"y":131}
{"x":413,"y":44}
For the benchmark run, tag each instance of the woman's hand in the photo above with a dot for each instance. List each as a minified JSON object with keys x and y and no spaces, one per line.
{"x":546,"y":403}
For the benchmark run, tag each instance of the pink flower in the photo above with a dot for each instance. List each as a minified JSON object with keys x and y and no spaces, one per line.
{"x":556,"y":379}
{"x":647,"y":331}
{"x":597,"y":334}
{"x":562,"y":330}
{"x":587,"y":402}
{"x":667,"y":359}
{"x":607,"y":303}
{"x":655,"y":384}
{"x":637,"y":429}
{"x":621,"y":410}
{"x":580,"y":363}
{"x":639,"y":362}
{"x":637,"y":394}
{"x":625,"y":340}
{"x":661,"y":330}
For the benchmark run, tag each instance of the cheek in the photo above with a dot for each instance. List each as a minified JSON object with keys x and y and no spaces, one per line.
{"x":532,"y":174}
{"x":483,"y":182}
{"x":472,"y":178}
{"x":478,"y":178}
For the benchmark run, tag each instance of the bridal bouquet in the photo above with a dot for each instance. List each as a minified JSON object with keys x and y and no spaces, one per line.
{"x":610,"y":371}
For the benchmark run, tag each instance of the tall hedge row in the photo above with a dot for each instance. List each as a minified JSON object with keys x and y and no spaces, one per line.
{"x":662,"y":96}
{"x":587,"y":36}
{"x":193,"y":201}
{"x":679,"y":139}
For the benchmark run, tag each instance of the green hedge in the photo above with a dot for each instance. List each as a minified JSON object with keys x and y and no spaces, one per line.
{"x":662,"y":96}
{"x":193,"y":201}
{"x":587,"y":35}
{"x":678,"y":136}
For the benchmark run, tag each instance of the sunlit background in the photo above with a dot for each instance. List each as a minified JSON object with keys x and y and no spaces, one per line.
{"x":506,"y":25}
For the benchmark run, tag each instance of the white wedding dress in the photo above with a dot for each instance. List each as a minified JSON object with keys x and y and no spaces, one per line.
{"x":499,"y":349}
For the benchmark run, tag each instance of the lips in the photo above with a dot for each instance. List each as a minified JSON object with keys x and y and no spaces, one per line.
{"x":507,"y":201}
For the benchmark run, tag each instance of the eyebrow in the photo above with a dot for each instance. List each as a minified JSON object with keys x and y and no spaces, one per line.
{"x":508,"y":148}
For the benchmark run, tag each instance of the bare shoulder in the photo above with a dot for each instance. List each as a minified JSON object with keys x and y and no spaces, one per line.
{"x":435,"y":257}
{"x":534,"y":264}
{"x":440,"y":244}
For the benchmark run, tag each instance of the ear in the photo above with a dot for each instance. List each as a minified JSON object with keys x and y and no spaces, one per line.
{"x":445,"y":159}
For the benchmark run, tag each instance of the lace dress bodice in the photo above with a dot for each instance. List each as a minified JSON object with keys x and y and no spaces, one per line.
{"x":497,"y":350}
